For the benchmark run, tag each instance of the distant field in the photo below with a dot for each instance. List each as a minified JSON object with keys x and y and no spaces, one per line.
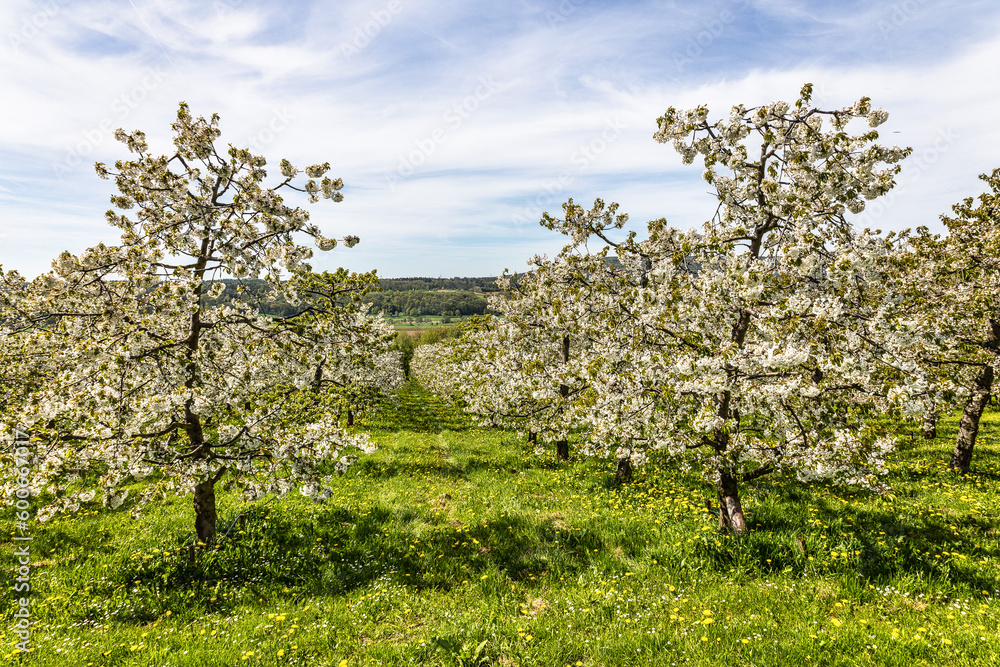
{"x":421,"y":309}
{"x":407,"y":324}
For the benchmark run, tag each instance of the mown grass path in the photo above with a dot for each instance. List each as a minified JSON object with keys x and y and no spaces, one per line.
{"x":455,"y":545}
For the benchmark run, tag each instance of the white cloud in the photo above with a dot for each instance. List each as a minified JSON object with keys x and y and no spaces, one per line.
{"x":450,"y":128}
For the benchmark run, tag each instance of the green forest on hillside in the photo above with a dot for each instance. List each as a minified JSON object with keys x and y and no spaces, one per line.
{"x":412,"y":297}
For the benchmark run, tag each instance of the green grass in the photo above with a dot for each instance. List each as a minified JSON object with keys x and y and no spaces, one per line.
{"x":401,"y":323}
{"x":454,"y":545}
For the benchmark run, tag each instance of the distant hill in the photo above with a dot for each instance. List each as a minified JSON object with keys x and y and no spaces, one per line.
{"x":485,"y":284}
{"x":399,"y":296}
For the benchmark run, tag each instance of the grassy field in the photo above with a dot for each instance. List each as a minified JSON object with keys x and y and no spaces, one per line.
{"x":454,"y":545}
{"x":431,"y":321}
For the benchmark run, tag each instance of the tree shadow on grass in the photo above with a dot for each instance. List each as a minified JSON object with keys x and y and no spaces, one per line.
{"x":341,"y":550}
{"x":446,"y":469}
{"x":883,"y":545}
{"x":416,"y":411}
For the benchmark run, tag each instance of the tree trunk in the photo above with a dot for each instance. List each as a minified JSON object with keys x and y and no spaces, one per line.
{"x":624,"y":472}
{"x":562,"y":450}
{"x":727,"y":485}
{"x":730,"y":510}
{"x":204,"y":511}
{"x":929,"y":426}
{"x":562,"y":446}
{"x":350,"y":417}
{"x":968,"y":427}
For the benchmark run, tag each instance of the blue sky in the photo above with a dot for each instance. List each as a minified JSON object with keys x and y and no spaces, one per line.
{"x":455,"y":124}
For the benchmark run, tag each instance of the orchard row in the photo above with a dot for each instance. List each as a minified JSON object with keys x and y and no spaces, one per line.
{"x":777,"y":338}
{"x":129,"y":371}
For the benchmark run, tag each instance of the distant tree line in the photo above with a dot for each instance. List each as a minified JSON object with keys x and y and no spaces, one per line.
{"x":427,"y":303}
{"x":485,"y":284}
{"x":255,"y":292}
{"x":413,"y":301}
